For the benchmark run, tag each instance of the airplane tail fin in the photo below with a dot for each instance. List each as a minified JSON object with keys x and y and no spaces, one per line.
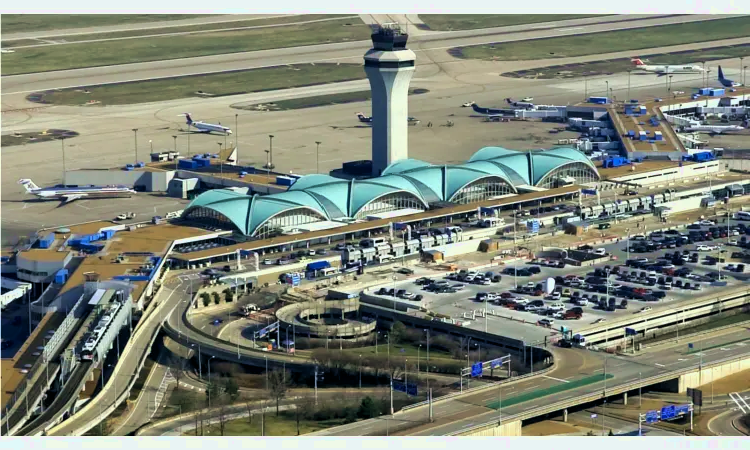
{"x":189,"y":119}
{"x":509,"y":101}
{"x":28,"y":184}
{"x":721,"y":73}
{"x":637,"y":62}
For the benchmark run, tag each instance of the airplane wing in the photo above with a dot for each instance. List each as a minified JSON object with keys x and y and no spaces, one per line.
{"x":72,"y":197}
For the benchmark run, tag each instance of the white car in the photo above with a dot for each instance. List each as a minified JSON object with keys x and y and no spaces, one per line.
{"x":705,"y":248}
{"x":732,"y":242}
{"x":668,"y":266}
{"x":600,"y":251}
{"x":267,"y":262}
{"x":521,"y":301}
{"x":486,"y":282}
{"x":582,"y":302}
{"x":645,"y":309}
{"x":555,"y":296}
{"x":556,"y":307}
{"x":558,"y":315}
{"x":467,"y":104}
{"x":547,"y":322}
{"x":527,"y":99}
{"x":706,"y":223}
{"x":734,"y":233}
{"x":678,"y":92}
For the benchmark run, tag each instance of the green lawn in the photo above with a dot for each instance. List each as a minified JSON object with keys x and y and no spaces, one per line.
{"x":183,"y":29}
{"x":221,"y":84}
{"x":611,"y":41}
{"x":624,"y":64}
{"x":283,"y":425}
{"x":319,"y":100}
{"x":538,"y":393}
{"x":41,"y":59}
{"x":16,"y":23}
{"x":448,"y":22}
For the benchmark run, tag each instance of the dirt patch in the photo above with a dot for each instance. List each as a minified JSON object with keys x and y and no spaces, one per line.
{"x":33,"y":137}
{"x":733,"y":383}
{"x":550,"y":428}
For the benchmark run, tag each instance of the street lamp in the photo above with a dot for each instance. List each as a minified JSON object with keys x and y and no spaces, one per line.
{"x":270,"y":151}
{"x":629,"y":72}
{"x":62,"y":145}
{"x":208,"y":388}
{"x":317,"y":156}
{"x":135,"y":138}
{"x":175,"y":151}
{"x":607,"y":91}
{"x":360,"y":371}
{"x":151,"y":144}
{"x":221,"y":162}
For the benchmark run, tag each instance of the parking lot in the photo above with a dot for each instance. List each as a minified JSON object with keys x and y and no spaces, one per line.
{"x":512,"y":321}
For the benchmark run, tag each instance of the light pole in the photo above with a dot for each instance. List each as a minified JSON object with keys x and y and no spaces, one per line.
{"x":607,"y":91}
{"x":221,"y":162}
{"x":266,"y":358}
{"x":627,"y":244}
{"x":208,"y":388}
{"x":604,"y":405}
{"x":360,"y":371}
{"x":62,"y":145}
{"x":317,"y":156}
{"x":629,"y":72}
{"x":585,"y":88}
{"x":419,"y":349}
{"x":175,"y":151}
{"x":151,"y":144}
{"x":640,"y":395}
{"x":270,"y":150}
{"x":670,"y":83}
{"x":236,"y":137}
{"x":135,"y":139}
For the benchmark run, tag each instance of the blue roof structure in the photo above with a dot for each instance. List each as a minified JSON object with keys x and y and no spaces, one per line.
{"x":332,"y":198}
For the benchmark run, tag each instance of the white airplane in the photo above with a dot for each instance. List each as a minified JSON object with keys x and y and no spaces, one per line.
{"x":206,"y":127}
{"x":70,"y":193}
{"x":717,"y":129}
{"x":664,"y":70}
{"x":524,"y":105}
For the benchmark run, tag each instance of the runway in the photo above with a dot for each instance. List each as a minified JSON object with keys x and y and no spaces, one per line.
{"x":341,"y":52}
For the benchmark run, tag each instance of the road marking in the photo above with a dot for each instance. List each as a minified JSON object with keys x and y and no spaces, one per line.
{"x":532,"y":387}
{"x":725,"y":349}
{"x":557,"y":379}
{"x":741,"y":344}
{"x":601,"y":370}
{"x":680,"y":359}
{"x":660,"y":365}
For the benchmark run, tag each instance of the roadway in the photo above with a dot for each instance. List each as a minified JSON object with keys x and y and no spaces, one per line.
{"x":340,"y":52}
{"x":463,"y":412}
{"x":619,"y":427}
{"x":724,"y":424}
{"x":117,"y":384}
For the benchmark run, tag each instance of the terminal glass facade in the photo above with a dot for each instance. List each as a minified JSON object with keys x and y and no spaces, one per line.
{"x":390,"y":202}
{"x":583,"y":173}
{"x":289,"y":218}
{"x":210,"y":218}
{"x":481,"y":190}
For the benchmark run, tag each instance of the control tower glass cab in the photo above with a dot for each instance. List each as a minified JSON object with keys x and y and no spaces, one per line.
{"x":389,"y":66}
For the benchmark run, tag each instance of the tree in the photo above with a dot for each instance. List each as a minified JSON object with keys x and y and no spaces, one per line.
{"x":222,"y":418}
{"x":367,"y":409}
{"x":177,"y":366}
{"x":205,"y":298}
{"x":213,"y":392}
{"x":228,"y":295}
{"x":398,"y":331}
{"x":590,"y":433}
{"x":610,"y":433}
{"x":277,"y":386}
{"x":217,"y":298}
{"x":231,"y":388}
{"x":249,"y":407}
{"x":183,"y":399}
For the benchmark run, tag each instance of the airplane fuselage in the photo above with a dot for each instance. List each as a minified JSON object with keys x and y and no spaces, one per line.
{"x":671,"y":69}
{"x":208,"y":128}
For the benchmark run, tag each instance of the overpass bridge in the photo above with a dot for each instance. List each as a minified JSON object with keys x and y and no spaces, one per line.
{"x":578,"y":379}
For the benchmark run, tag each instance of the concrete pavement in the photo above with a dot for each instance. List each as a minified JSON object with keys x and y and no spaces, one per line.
{"x":724,"y":423}
{"x":137,"y":26}
{"x":340,"y":52}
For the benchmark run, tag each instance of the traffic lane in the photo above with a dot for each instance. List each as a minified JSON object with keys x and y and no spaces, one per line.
{"x":127,"y":364}
{"x":339,"y":52}
{"x":139,"y":413}
{"x":735,"y":333}
{"x":723,"y":424}
{"x":618,"y":426}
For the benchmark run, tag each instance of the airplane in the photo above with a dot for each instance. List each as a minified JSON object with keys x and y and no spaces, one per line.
{"x":726,"y":82}
{"x":368,"y":119}
{"x":664,"y":70}
{"x":206,"y":127}
{"x":524,"y":105}
{"x":487,"y":111}
{"x":68,"y":194}
{"x":717,"y":129}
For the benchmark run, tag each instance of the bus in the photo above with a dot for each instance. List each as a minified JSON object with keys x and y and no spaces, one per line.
{"x":742,"y":215}
{"x":492,"y":222}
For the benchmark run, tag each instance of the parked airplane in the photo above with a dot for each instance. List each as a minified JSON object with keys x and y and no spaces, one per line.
{"x":717,"y":129}
{"x":524,"y":105}
{"x":70,"y":193}
{"x":368,"y":119}
{"x":664,"y":70}
{"x":206,"y":127}
{"x":486,"y":111}
{"x":726,"y":82}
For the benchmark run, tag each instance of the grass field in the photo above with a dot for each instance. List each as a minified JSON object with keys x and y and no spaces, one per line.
{"x":624,"y":64}
{"x":9,"y":140}
{"x":212,"y":85}
{"x":318,"y":100}
{"x":611,"y":41}
{"x":181,"y":29}
{"x":41,"y":59}
{"x":283,"y":425}
{"x":15,"y":23}
{"x":448,"y":22}
{"x":562,"y":387}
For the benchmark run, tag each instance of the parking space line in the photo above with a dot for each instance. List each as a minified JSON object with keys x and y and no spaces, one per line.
{"x":557,"y":379}
{"x":659,"y":365}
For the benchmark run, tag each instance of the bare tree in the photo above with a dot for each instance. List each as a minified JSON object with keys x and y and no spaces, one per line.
{"x":177,"y":366}
{"x":278,"y":386}
{"x":196,"y":423}
{"x":222,"y":417}
{"x":249,"y":406}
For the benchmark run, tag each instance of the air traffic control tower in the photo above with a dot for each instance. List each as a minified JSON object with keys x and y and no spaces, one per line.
{"x":389,"y":66}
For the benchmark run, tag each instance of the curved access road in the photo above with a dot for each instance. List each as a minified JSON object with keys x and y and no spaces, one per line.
{"x":724,"y":424}
{"x":336,"y":53}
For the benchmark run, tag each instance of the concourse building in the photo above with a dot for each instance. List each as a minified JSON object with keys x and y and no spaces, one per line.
{"x":406,"y":187}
